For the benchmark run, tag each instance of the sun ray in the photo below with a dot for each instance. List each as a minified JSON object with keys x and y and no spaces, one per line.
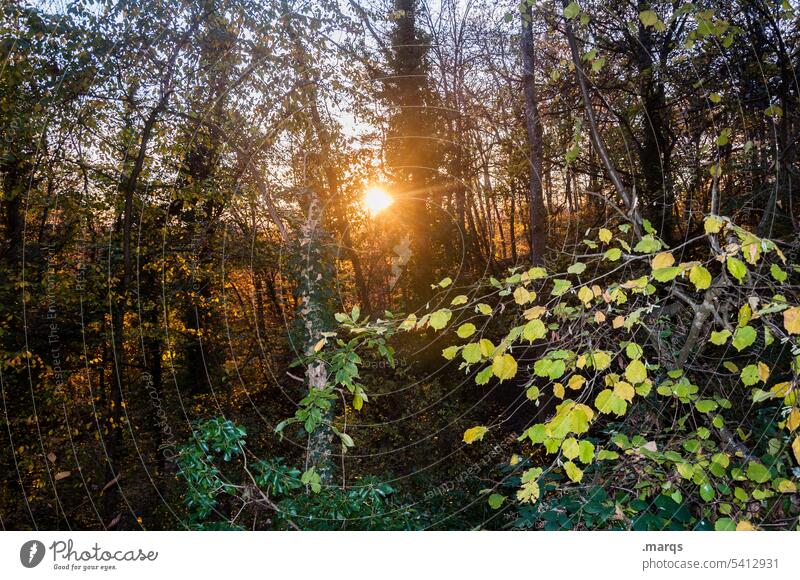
{"x":377,"y":199}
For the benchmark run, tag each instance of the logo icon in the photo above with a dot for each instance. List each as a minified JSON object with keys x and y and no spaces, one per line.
{"x":31,"y":553}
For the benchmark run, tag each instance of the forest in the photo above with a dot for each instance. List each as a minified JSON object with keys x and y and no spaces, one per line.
{"x":400,"y":265}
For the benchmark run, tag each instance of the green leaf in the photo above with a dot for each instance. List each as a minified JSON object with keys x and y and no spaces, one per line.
{"x":536,"y":273}
{"x":484,"y":309}
{"x":725,"y":525}
{"x":707,"y":492}
{"x":647,"y":245}
{"x":612,"y":254}
{"x":572,"y":10}
{"x":700,"y":277}
{"x":706,"y":405}
{"x":606,"y":454}
{"x":586,"y":452}
{"x":737,"y":268}
{"x":446,"y":282}
{"x":648,"y":18}
{"x":534,"y":330}
{"x":471,"y":353}
{"x":466,"y":330}
{"x":496,"y":500}
{"x":440,"y":318}
{"x":560,"y":287}
{"x":777,"y":273}
{"x":743,"y":337}
{"x":634,"y":351}
{"x":576,"y":268}
{"x":720,"y":337}
{"x":483,"y":377}
{"x":666,"y":274}
{"x":750,"y":375}
{"x":757,"y":472}
{"x":450,"y":352}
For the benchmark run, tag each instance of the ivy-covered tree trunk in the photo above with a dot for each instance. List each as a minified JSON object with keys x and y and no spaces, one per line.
{"x":312,"y":314}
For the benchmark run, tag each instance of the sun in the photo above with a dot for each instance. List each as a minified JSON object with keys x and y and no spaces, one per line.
{"x":377,"y":199}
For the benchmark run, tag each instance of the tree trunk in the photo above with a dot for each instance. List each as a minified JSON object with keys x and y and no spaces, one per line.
{"x":534,"y":127}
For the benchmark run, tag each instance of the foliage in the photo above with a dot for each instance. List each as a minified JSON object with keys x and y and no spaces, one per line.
{"x":622,"y":350}
{"x":215,"y":469}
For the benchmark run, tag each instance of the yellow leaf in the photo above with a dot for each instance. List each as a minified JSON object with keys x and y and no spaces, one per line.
{"x":663,"y":260}
{"x":796,"y":449}
{"x":713,"y":224}
{"x":601,"y":360}
{"x":763,"y":372}
{"x":534,"y":312}
{"x":793,"y":421}
{"x":635,"y":372}
{"x":474,"y":434}
{"x":521,"y":295}
{"x":576,"y":382}
{"x":599,"y":317}
{"x":604,"y":235}
{"x":504,"y":367}
{"x":791,"y":320}
{"x":558,"y":390}
{"x":320,"y":344}
{"x":624,"y":391}
{"x":585,"y":295}
{"x":744,"y":526}
{"x":618,"y":322}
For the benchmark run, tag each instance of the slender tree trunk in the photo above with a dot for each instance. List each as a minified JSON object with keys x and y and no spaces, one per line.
{"x":534,"y":128}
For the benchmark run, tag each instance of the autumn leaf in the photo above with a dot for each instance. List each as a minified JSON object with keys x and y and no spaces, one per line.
{"x":791,"y":320}
{"x":504,"y":367}
{"x":662,"y":260}
{"x":474,"y":434}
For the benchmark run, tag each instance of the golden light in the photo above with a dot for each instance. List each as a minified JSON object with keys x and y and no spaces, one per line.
{"x":377,"y":199}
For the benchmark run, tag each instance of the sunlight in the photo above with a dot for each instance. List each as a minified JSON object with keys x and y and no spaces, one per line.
{"x":377,"y":199}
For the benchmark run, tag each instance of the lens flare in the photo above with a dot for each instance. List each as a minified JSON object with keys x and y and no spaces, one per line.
{"x":377,"y":199}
